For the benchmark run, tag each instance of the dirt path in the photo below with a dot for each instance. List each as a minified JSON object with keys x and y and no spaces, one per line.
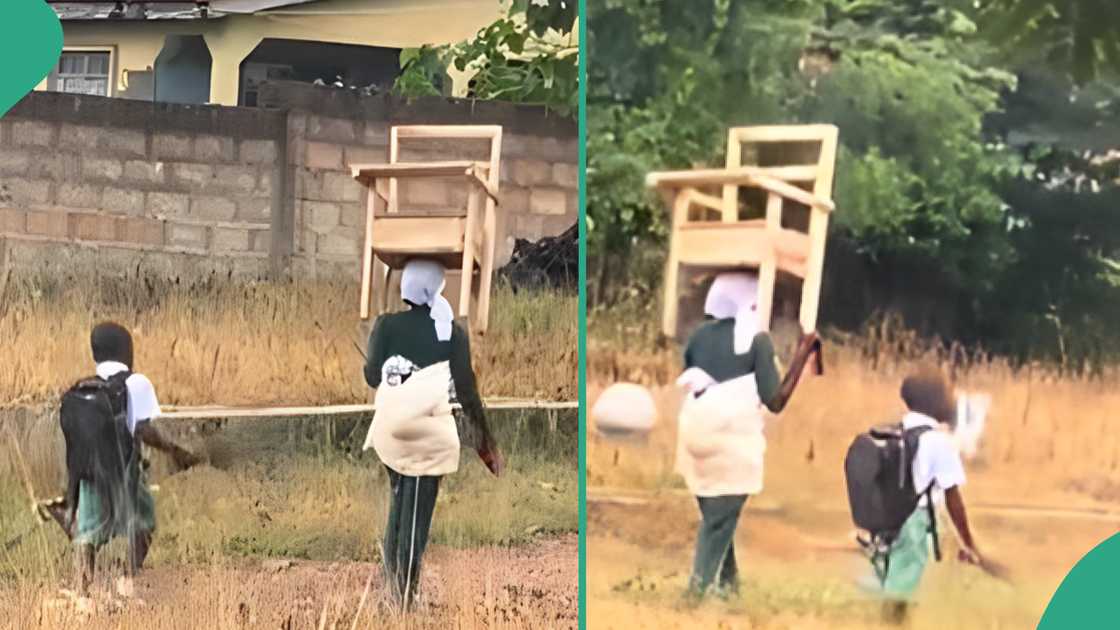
{"x":797,"y":573}
{"x":529,"y":586}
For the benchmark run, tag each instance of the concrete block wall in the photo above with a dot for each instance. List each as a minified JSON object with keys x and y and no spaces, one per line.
{"x":133,"y":186}
{"x":90,"y":182}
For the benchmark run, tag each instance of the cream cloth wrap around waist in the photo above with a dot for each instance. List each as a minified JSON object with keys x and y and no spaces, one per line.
{"x":413,"y":429}
{"x":720,"y":445}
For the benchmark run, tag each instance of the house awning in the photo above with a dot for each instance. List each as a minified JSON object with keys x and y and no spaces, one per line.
{"x":162,"y":9}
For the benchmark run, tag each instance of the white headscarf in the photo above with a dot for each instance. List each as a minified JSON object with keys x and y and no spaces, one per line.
{"x":422,"y":282}
{"x":735,"y":294}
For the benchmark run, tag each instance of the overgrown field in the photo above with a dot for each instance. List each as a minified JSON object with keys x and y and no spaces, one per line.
{"x":219,"y":342}
{"x":1042,"y":493}
{"x":503,"y":550}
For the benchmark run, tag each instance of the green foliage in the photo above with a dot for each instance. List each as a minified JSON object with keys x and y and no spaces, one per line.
{"x":1079,"y":37}
{"x":529,"y":56}
{"x":423,"y":72}
{"x":976,"y":187}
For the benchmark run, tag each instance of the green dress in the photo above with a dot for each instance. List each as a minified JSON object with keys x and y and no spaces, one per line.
{"x":136,"y":513}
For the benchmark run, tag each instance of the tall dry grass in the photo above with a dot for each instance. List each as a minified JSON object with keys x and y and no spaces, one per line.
{"x":1049,"y":443}
{"x":298,"y":490}
{"x":1048,"y":432}
{"x":221,"y":342}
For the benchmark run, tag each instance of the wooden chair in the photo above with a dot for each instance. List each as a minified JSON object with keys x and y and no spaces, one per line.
{"x":791,"y":166}
{"x":461,"y":238}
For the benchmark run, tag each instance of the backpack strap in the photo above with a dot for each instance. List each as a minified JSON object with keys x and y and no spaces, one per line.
{"x":933,"y":522}
{"x":911,"y":440}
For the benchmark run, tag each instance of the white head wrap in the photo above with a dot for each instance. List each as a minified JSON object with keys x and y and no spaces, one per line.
{"x":735,"y":294}
{"x":422,"y":283}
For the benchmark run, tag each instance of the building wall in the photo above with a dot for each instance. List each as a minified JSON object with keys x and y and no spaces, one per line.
{"x":179,"y":190}
{"x":385,"y":23}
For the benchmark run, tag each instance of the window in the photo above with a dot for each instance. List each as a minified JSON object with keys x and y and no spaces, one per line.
{"x":82,"y":72}
{"x":254,"y":74}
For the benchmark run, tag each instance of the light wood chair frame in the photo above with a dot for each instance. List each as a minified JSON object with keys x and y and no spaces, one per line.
{"x":760,"y":244}
{"x":465,"y":241}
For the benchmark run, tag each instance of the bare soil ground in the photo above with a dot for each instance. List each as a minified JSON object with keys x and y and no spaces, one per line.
{"x":527,"y":586}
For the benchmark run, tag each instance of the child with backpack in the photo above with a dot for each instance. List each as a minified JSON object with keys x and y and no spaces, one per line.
{"x":896,"y":475}
{"x":730,"y":372}
{"x":104,"y":420}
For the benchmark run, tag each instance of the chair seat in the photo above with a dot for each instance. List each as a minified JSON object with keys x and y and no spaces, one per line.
{"x":742,"y":244}
{"x":398,"y":238}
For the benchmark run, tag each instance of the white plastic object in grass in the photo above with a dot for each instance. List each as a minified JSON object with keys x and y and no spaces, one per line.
{"x":624,"y":410}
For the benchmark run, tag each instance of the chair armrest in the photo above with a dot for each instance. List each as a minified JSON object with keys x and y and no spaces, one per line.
{"x":742,"y":176}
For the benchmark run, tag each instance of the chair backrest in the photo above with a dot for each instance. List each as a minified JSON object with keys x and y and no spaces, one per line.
{"x":799,"y":154}
{"x":493,"y":133}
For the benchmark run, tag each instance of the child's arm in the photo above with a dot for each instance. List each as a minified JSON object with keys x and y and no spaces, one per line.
{"x":954,"y":503}
{"x":151,"y":436}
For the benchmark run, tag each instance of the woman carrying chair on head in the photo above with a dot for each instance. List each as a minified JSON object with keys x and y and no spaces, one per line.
{"x":419,"y":362}
{"x":730,"y":372}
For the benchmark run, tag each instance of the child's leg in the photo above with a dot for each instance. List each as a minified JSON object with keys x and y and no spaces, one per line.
{"x":895,"y":611}
{"x":719,"y":516}
{"x":138,"y":544}
{"x":84,"y":559}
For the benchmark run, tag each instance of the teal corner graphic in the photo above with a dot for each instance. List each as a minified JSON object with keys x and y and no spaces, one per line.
{"x":30,"y":44}
{"x":1086,"y":597}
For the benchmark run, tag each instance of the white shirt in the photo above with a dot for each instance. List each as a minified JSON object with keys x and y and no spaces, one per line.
{"x":142,"y":403}
{"x":937,"y":460}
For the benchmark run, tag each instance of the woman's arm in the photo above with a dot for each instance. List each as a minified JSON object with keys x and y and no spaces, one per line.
{"x":462,"y":373}
{"x":774,"y":394}
{"x":375,"y":354}
{"x":765,"y":369}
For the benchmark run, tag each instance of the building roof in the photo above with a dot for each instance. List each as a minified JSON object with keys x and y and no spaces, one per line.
{"x":161,"y":9}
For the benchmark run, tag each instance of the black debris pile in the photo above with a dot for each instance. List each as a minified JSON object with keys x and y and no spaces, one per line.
{"x":552,"y":262}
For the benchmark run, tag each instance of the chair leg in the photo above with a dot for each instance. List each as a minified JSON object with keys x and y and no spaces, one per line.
{"x":669,"y":309}
{"x":479,"y":302}
{"x":388,"y":289}
{"x":485,"y":283}
{"x":672,"y":269}
{"x":767,"y":279}
{"x":367,"y":273}
{"x":466,"y":279}
{"x":377,"y":297}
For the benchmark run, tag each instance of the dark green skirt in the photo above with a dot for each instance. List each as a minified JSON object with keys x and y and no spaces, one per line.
{"x":136,"y":513}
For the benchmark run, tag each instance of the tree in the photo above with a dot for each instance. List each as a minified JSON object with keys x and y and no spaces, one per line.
{"x":1081,"y":38}
{"x":528,"y":56}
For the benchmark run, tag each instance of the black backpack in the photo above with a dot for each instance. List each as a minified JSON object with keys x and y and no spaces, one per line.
{"x":99,"y":447}
{"x":879,"y":471}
